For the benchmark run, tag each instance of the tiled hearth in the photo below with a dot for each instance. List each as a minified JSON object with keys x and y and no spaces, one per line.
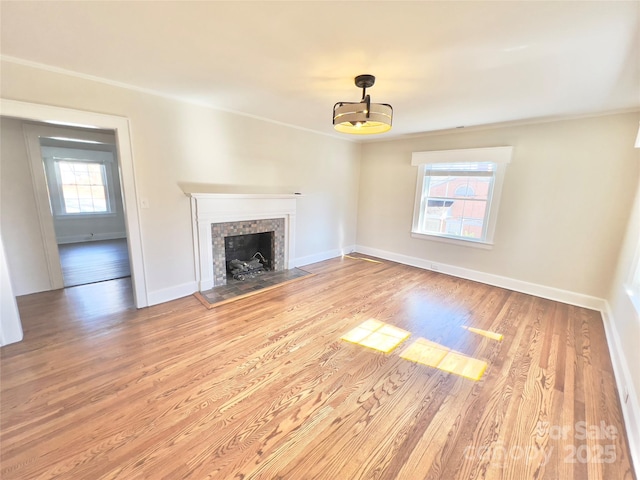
{"x":237,"y":289}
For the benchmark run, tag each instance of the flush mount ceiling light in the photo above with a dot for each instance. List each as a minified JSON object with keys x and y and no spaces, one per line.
{"x":363,"y":117}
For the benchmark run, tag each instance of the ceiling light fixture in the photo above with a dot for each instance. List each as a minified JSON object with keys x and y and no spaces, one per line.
{"x":363,"y":117}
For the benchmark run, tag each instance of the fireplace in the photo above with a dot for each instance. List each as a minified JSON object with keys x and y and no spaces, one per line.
{"x":224,"y":233}
{"x":219,"y":215}
{"x":248,"y":253}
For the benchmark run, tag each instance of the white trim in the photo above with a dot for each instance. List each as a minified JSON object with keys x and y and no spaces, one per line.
{"x":551,"y":293}
{"x":121,"y":126}
{"x":506,"y":124}
{"x":453,"y":240}
{"x":622,"y":374}
{"x":10,"y":325}
{"x":321,"y":256}
{"x":634,"y":298}
{"x":172,"y":293}
{"x":632,"y":285}
{"x":41,"y":193}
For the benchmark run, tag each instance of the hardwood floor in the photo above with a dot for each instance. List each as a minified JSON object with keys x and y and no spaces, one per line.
{"x":263,"y":388}
{"x":90,"y":262}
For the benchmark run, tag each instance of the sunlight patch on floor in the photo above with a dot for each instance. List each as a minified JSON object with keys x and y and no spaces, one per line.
{"x":484,"y":333}
{"x":384,"y":337}
{"x":362,"y":258}
{"x":376,"y":335}
{"x":431,"y":354}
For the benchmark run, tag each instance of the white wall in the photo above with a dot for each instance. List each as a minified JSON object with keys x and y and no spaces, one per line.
{"x":175,"y":143}
{"x":623,"y":326}
{"x":566,"y":199}
{"x":10,"y":326}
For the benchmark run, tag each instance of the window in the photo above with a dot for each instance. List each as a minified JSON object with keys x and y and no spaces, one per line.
{"x":83,"y":187}
{"x":81,"y":182}
{"x":457,"y":194}
{"x":633,"y":283}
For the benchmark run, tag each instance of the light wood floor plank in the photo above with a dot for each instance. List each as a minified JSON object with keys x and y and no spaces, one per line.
{"x":263,"y":388}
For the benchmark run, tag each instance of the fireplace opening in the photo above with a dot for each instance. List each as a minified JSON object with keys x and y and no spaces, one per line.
{"x":247,"y":256}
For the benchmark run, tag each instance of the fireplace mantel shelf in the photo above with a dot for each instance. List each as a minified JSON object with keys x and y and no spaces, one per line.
{"x":205,"y":195}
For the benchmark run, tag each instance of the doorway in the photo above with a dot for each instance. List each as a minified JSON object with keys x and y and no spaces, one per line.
{"x":38,"y":258}
{"x":85,"y":200}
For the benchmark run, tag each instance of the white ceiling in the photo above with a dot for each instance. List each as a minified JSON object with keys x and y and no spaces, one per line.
{"x":440,"y":64}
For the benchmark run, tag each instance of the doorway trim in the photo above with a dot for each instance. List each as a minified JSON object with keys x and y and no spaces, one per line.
{"x":120,"y":125}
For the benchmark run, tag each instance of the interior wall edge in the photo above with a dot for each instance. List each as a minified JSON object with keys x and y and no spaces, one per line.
{"x":622,"y":373}
{"x":321,"y":256}
{"x":174,"y":292}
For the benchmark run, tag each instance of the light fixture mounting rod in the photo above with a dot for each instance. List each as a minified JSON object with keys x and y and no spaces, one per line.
{"x":365,"y":81}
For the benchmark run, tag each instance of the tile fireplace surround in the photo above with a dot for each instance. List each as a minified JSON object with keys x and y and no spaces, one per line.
{"x":261,"y":211}
{"x":229,"y":229}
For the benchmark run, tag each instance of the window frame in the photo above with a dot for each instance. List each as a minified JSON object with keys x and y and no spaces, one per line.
{"x":60,"y":186}
{"x":632,"y":285}
{"x":500,"y":156}
{"x":51,"y":157}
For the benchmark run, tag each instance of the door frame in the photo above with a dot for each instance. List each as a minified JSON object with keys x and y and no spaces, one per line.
{"x":120,"y":125}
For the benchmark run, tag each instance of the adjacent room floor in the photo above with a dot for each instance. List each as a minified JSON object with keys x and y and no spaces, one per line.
{"x":90,"y":262}
{"x":265,"y":388}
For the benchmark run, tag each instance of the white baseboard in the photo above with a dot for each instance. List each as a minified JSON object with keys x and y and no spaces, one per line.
{"x":551,"y":293}
{"x":172,"y":293}
{"x":326,"y":255}
{"x":630,"y":408}
{"x":89,"y":238}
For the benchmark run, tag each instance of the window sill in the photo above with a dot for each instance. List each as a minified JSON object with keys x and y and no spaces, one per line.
{"x":66,"y":216}
{"x":453,"y":241}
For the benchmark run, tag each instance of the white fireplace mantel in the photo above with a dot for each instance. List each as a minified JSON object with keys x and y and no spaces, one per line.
{"x":209,"y":208}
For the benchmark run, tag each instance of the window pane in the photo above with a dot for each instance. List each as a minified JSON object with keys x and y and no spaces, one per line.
{"x":95,"y":177}
{"x":441,"y":186}
{"x":86,"y":205}
{"x":97,"y":192}
{"x":99,"y":205}
{"x":72,"y":205}
{"x":452,"y":226}
{"x":84,"y":191}
{"x":69,"y":191}
{"x":455,"y":199}
{"x":83,"y":188}
{"x":465,"y":190}
{"x":480,"y":187}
